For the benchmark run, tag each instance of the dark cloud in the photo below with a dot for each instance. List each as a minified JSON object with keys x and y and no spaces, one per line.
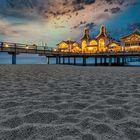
{"x":82,"y":23}
{"x":49,"y":8}
{"x":106,"y":10}
{"x":91,"y":25}
{"x":83,"y":1}
{"x":115,"y":10}
{"x":120,"y":2}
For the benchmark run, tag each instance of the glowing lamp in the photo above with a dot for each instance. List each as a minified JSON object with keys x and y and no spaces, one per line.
{"x":6,"y":45}
{"x":103,"y":43}
{"x":90,"y":48}
{"x":27,"y":47}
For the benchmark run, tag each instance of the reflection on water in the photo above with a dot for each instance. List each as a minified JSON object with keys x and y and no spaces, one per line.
{"x":35,"y":59}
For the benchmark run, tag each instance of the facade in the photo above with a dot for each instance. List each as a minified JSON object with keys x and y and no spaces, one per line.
{"x":131,"y":42}
{"x":69,"y":46}
{"x":101,"y":43}
{"x":88,"y":45}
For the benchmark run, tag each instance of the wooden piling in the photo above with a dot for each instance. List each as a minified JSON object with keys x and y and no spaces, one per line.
{"x":105,"y":61}
{"x":101,"y":60}
{"x":95,"y":61}
{"x":68,"y":60}
{"x":84,"y":61}
{"x":74,"y":60}
{"x":57,"y":60}
{"x":13,"y":58}
{"x":48,"y":60}
{"x":110,"y":61}
{"x":63,"y":60}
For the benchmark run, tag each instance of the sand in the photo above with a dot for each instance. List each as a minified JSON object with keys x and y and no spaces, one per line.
{"x":51,"y":102}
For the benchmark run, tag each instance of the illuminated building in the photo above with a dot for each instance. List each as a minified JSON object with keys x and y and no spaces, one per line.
{"x":131,"y":42}
{"x":102,"y":43}
{"x":69,"y":46}
{"x":88,"y":45}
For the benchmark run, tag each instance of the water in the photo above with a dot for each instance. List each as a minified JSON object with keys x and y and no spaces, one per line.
{"x":23,"y":59}
{"x":5,"y":58}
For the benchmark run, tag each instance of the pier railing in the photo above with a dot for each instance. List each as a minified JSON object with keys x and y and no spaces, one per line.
{"x":41,"y":50}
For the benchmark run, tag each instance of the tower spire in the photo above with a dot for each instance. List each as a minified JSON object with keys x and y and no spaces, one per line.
{"x":86,"y":34}
{"x":102,"y":31}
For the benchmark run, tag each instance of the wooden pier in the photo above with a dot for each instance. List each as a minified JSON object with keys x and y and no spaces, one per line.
{"x":102,"y":59}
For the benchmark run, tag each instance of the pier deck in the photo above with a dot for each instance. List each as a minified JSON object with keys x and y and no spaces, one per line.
{"x":120,"y":58}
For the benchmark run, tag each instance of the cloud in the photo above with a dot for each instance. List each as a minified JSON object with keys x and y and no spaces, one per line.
{"x":90,"y":25}
{"x":115,"y":10}
{"x":46,"y":9}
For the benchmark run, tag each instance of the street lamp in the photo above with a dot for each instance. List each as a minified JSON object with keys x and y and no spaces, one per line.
{"x":27,"y":47}
{"x":6,"y":45}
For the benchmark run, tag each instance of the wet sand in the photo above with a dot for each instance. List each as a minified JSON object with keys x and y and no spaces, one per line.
{"x":51,"y":102}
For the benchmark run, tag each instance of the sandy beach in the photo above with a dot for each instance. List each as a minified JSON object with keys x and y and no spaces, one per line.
{"x":55,"y":102}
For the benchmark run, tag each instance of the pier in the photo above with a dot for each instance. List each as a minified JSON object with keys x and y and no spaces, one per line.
{"x":64,"y":58}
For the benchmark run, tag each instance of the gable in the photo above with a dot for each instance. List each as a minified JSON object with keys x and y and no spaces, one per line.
{"x":93,"y":42}
{"x":131,"y":38}
{"x":114,"y":45}
{"x":63,"y":45}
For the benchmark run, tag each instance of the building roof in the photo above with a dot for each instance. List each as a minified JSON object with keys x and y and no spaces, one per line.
{"x":86,"y":35}
{"x":136,"y":32}
{"x":68,"y":42}
{"x":102,"y":32}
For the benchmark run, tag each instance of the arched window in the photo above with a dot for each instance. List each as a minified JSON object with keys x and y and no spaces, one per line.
{"x":93,"y":42}
{"x":84,"y":44}
{"x":101,"y":43}
{"x":63,"y":45}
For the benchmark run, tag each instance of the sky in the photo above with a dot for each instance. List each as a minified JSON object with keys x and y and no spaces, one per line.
{"x":50,"y":21}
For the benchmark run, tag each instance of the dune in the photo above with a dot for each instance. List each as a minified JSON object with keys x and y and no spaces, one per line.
{"x":56,"y":102}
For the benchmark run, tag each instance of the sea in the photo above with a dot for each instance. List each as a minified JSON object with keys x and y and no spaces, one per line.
{"x":5,"y":58}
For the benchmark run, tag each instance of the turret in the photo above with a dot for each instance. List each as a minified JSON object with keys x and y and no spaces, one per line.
{"x":85,"y":40}
{"x":86,"y":35}
{"x":102,"y":39}
{"x":102,"y":33}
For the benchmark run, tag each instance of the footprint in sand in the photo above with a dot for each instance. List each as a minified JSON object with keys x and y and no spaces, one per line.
{"x":19,"y":133}
{"x":116,"y":114}
{"x":12,"y":123}
{"x":88,"y":137}
{"x":41,"y":117}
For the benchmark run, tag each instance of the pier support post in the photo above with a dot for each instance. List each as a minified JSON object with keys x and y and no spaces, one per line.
{"x":48,"y":60}
{"x":105,"y":61}
{"x":123,"y":60}
{"x":84,"y":61}
{"x":115,"y":61}
{"x":13,"y":58}
{"x":68,"y":60}
{"x":101,"y":61}
{"x":74,"y":60}
{"x":110,"y":61}
{"x":63,"y":60}
{"x":95,"y":61}
{"x":57,"y":60}
{"x":118,"y":61}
